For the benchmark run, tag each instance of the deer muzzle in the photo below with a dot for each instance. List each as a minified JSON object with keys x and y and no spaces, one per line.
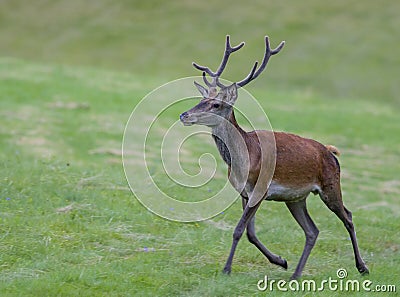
{"x":187,"y":119}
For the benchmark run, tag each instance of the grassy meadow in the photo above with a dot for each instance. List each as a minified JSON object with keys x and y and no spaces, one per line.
{"x":71,"y":72}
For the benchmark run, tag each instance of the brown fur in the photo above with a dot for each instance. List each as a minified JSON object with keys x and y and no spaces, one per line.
{"x":299,"y":161}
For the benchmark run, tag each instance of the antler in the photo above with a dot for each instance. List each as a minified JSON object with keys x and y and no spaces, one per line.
{"x":215,"y":75}
{"x":254,"y":73}
{"x":268,"y":53}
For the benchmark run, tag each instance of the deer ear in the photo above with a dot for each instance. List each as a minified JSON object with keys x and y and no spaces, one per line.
{"x":231,"y":94}
{"x":203,"y":91}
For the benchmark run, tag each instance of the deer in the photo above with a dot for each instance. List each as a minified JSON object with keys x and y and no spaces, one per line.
{"x":301,"y":166}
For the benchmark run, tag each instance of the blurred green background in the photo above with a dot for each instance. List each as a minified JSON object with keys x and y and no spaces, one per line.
{"x":72,"y":71}
{"x":339,"y":48}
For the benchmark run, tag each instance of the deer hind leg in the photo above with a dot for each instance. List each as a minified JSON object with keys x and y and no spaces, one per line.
{"x":299,"y":211}
{"x":332,"y":197}
{"x":251,"y":236}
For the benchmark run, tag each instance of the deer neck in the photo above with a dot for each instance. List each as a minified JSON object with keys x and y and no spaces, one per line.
{"x":229,"y":138}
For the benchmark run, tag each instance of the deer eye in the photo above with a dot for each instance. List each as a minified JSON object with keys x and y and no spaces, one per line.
{"x":216,"y":105}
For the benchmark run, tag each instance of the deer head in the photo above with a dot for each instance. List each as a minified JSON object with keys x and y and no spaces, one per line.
{"x":216,"y":106}
{"x":213,"y":108}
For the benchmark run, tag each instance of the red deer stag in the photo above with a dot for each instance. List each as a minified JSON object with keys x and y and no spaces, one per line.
{"x":302,"y":166}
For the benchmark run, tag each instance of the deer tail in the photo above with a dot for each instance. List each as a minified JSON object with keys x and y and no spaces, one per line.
{"x":333,"y":149}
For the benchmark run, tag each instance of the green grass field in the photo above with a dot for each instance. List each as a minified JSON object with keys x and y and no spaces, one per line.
{"x":72,"y":72}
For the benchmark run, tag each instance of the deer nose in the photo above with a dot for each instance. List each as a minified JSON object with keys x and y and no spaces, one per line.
{"x":183,"y":115}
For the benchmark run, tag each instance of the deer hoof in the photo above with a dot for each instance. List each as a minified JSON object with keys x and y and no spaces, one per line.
{"x":363,"y":270}
{"x":281,"y":262}
{"x":284,"y":265}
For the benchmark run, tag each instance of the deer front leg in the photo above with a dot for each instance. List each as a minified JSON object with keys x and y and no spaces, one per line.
{"x":252,"y":237}
{"x":248,"y":214}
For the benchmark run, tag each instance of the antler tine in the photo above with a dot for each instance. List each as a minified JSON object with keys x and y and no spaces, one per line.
{"x":268,"y":53}
{"x":203,"y":68}
{"x":249,"y":77}
{"x":215,"y":82}
{"x":228,"y":51}
{"x":231,"y":49}
{"x":215,"y":75}
{"x":207,"y":70}
{"x":219,"y":84}
{"x":206,"y":80}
